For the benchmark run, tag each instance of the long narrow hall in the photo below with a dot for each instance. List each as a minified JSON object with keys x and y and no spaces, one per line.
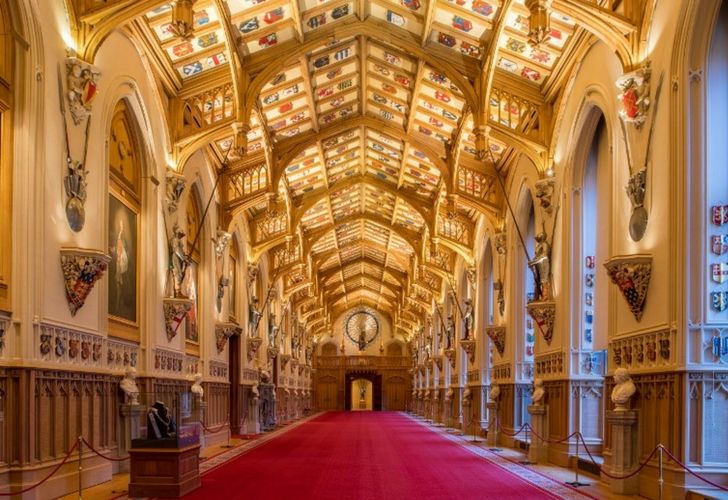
{"x":373,"y":455}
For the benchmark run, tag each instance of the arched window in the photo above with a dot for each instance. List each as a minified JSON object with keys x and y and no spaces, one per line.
{"x":124,"y":235}
{"x":191,"y":279}
{"x":594,"y":246}
{"x":529,"y":286}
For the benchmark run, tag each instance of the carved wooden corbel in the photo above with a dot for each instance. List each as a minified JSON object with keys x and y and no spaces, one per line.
{"x":82,"y":268}
{"x":631,"y":273}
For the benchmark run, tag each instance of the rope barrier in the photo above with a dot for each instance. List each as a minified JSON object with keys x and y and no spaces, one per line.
{"x":580,"y":437}
{"x":56,"y":469}
{"x":110,"y":459}
{"x":691,"y":472}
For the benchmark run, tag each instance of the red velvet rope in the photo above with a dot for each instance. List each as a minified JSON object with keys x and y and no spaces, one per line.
{"x":580,"y":437}
{"x":110,"y":459}
{"x":65,"y":459}
{"x":693,"y":473}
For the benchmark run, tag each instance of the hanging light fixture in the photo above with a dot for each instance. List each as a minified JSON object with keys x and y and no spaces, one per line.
{"x":182,"y":19}
{"x":539,"y":21}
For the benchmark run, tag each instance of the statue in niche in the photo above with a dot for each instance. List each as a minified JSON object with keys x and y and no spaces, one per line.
{"x":541,"y":266}
{"x":362,"y":339}
{"x":272,"y":333}
{"x":428,"y":343}
{"x":449,"y":332}
{"x":624,"y":389}
{"x":177,"y":259}
{"x":468,"y":319}
{"x":129,"y":386}
{"x":538,"y":392}
{"x":197,"y":388}
{"x":160,"y":424}
{"x":253,"y":317}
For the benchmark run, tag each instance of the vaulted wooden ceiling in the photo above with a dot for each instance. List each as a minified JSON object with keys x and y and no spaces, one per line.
{"x":361,"y":139}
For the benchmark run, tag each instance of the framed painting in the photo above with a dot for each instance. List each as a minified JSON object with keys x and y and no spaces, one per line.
{"x":123,"y":242}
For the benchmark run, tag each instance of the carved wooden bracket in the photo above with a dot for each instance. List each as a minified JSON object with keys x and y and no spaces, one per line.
{"x":497,"y":335}
{"x":285,"y":358}
{"x":253,"y":346}
{"x":175,"y":310}
{"x":544,"y":314}
{"x":450,"y":355}
{"x":438,"y":362}
{"x":631,"y":273}
{"x":174,"y":189}
{"x":469,"y":347}
{"x":272,"y":352}
{"x":82,"y":268}
{"x":223,"y":331}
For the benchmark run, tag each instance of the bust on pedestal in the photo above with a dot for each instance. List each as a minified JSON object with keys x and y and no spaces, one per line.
{"x":624,"y":435}
{"x":492,"y":407}
{"x":537,"y":451}
{"x":131,"y":412}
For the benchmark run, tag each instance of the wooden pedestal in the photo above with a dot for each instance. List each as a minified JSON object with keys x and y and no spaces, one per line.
{"x":160,"y":472}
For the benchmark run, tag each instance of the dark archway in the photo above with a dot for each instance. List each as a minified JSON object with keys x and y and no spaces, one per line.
{"x":376,"y":380}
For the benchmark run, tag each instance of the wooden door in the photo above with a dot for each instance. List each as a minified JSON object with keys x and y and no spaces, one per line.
{"x":394,"y":394}
{"x":327,"y":394}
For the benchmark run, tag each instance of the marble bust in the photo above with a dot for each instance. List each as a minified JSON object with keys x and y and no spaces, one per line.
{"x":623,"y":390}
{"x":538,"y":392}
{"x":494,"y":393}
{"x":196,"y":388}
{"x":129,"y":386}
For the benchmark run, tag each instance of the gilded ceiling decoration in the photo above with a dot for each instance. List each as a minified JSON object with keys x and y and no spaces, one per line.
{"x":362,"y":140}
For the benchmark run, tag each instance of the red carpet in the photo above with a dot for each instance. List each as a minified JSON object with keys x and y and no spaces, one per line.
{"x":363,"y":455}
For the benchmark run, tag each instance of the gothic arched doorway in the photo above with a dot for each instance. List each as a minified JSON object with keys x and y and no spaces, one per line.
{"x":353,"y":387}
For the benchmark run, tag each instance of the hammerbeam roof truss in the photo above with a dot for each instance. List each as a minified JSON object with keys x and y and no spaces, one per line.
{"x":356,"y":133}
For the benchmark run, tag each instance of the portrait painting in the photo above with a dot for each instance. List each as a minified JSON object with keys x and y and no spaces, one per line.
{"x":122,"y":247}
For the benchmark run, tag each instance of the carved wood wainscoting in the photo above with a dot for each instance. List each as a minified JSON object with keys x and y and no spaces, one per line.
{"x":330,"y":380}
{"x":217,"y":397}
{"x":42,"y":414}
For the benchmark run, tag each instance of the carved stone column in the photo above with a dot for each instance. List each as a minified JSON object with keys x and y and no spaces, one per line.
{"x":492,"y":407}
{"x":130,"y":429}
{"x":537,"y":450}
{"x":624,"y":451}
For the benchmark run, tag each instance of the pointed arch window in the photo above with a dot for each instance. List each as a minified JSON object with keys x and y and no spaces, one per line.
{"x":123,"y":234}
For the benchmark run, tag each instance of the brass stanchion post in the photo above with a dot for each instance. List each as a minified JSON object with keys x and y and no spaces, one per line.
{"x":576,"y":483}
{"x":80,"y":465}
{"x":661,"y":479}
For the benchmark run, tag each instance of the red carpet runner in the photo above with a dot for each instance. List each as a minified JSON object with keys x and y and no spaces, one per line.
{"x":363,"y":455}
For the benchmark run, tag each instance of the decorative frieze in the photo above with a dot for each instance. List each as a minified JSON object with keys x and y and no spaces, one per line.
{"x":502,"y":371}
{"x":646,"y":350}
{"x":497,"y":335}
{"x":544,"y":314}
{"x":82,"y":268}
{"x":75,"y":348}
{"x":469,"y":347}
{"x":175,"y":311}
{"x":223,"y":331}
{"x":550,"y":365}
{"x":473,"y":375}
{"x":168,"y":361}
{"x":251,"y":376}
{"x":218,"y":369}
{"x":631,"y":273}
